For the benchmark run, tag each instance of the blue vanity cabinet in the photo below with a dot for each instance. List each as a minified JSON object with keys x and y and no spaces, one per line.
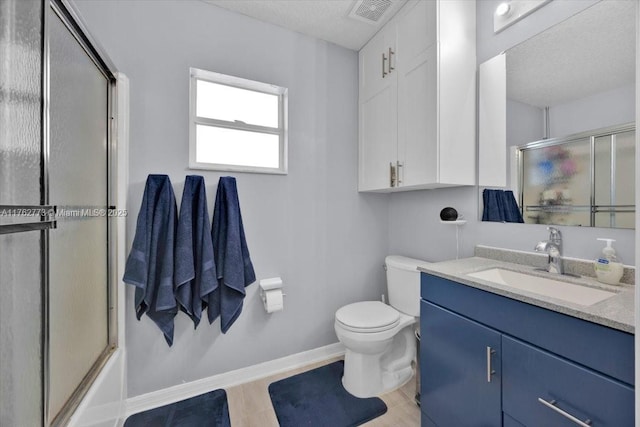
{"x":540,"y":388}
{"x":544,"y":366}
{"x":461,"y":383}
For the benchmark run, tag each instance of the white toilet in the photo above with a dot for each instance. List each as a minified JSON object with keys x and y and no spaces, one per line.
{"x":379,"y":338}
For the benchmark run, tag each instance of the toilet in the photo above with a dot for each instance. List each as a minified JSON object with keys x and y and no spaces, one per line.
{"x":379,"y":338}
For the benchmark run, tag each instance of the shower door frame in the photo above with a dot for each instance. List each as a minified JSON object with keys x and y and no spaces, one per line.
{"x":47,"y":213}
{"x":593,"y":208}
{"x":72,"y":21}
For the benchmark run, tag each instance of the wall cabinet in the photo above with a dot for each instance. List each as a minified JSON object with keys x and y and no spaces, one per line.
{"x":492,"y":361}
{"x":417,"y":99}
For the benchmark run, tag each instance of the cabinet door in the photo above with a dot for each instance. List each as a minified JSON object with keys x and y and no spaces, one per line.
{"x":374,"y":71}
{"x":377,"y":114}
{"x":416,"y":66}
{"x":459,"y":369}
{"x":542,"y":389}
{"x":378,"y":141}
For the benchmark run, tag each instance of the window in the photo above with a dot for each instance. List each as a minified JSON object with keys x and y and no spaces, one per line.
{"x":236,"y":124}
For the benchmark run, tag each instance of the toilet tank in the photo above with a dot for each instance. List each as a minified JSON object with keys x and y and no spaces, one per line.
{"x":403,"y":283}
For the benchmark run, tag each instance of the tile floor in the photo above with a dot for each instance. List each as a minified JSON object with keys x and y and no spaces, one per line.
{"x":250,"y":404}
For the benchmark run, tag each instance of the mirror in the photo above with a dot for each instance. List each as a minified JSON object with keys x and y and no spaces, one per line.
{"x":568,"y":119}
{"x":583,"y":179}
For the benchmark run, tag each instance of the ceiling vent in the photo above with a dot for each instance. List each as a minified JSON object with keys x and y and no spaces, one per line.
{"x":369,"y":11}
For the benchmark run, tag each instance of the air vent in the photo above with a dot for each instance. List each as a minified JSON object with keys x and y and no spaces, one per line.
{"x":369,"y":10}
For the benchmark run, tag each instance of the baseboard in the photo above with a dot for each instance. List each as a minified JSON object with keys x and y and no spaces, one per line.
{"x":179,"y":392}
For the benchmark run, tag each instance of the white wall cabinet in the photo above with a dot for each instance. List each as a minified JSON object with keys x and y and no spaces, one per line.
{"x":417,"y":99}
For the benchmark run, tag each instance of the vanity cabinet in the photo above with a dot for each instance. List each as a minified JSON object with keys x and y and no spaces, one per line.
{"x":417,"y":100}
{"x":490,"y":360}
{"x":540,"y":388}
{"x":459,"y":351}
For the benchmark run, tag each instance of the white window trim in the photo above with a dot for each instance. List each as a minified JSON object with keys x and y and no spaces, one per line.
{"x":282,"y":130}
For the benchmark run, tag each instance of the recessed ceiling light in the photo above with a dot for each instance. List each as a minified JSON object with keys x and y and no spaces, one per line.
{"x":503,"y":9}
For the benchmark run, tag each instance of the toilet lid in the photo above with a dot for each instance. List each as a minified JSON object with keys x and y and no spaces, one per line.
{"x":368,"y":316}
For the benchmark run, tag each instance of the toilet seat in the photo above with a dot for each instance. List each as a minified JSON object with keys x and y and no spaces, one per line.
{"x":367,"y":317}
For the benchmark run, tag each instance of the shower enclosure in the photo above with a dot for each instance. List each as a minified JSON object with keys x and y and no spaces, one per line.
{"x":57,"y":234}
{"x":584,"y":179}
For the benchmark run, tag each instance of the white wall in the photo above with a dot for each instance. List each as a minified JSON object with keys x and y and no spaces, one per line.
{"x":524,"y":123}
{"x":413,"y":217}
{"x":311,"y":227}
{"x":609,"y":108}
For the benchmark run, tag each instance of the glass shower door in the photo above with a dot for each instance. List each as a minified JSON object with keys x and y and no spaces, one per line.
{"x":21,"y":391}
{"x":78,"y":185}
{"x":556,"y":184}
{"x":614,"y":186}
{"x":55,"y":115}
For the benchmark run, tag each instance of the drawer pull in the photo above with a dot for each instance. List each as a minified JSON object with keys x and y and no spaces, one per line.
{"x":490,"y":371}
{"x":552,"y":405}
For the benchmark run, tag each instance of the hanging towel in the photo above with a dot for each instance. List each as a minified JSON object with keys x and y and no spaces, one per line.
{"x":150,"y":263}
{"x":512,"y":211}
{"x":233,"y":263}
{"x":195,"y":274}
{"x":500,"y":206}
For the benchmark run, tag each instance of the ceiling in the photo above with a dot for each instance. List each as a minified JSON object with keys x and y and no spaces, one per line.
{"x":323,"y":19}
{"x":591,"y":52}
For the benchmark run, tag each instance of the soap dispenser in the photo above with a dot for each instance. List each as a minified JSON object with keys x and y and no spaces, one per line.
{"x":608,"y":267}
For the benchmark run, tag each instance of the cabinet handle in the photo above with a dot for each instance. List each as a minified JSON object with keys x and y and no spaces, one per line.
{"x":552,"y":405}
{"x":392,"y":175}
{"x":490,"y":371}
{"x":391,"y":52}
{"x":384,"y":60}
{"x":398,"y":166}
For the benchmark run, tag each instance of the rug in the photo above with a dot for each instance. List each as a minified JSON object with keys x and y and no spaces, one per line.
{"x":317,"y":398}
{"x":206,"y":410}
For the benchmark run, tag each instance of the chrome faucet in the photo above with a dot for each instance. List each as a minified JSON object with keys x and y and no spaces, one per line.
{"x":553,"y":247}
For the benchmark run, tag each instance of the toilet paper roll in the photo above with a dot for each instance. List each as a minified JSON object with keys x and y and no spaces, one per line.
{"x":273,"y":300}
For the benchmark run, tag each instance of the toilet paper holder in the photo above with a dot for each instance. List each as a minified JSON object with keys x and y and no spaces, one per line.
{"x":269,"y":287}
{"x":270,"y":284}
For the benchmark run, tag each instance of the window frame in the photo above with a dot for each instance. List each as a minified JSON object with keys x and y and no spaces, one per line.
{"x":196,"y":74}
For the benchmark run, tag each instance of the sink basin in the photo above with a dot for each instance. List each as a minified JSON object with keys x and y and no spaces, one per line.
{"x":569,"y":292}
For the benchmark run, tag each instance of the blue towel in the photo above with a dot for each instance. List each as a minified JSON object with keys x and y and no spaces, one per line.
{"x":500,"y":206}
{"x":512,"y":211}
{"x":150,"y":264}
{"x":233,"y":263}
{"x":195,"y":274}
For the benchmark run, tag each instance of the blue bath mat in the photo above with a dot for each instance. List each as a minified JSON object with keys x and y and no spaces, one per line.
{"x":317,"y":398}
{"x":206,"y":410}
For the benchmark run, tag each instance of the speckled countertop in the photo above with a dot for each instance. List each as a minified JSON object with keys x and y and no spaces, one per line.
{"x":614,"y":312}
